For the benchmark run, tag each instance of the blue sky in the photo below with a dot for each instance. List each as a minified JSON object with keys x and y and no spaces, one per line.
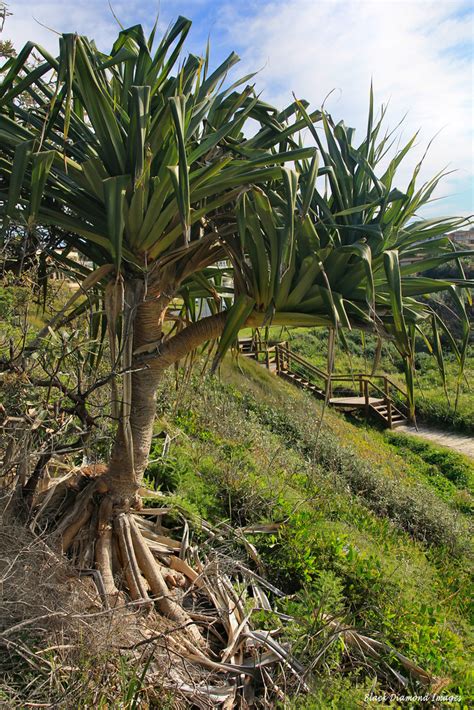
{"x":418,"y":53}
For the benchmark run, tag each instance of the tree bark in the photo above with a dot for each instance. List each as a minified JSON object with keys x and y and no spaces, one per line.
{"x":180,"y":345}
{"x":126,"y":472}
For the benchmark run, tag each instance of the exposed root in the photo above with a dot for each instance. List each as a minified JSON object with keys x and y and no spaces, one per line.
{"x":76,"y":518}
{"x":220,"y":656}
{"x":78,"y":522}
{"x":151,"y":570}
{"x":63,"y":501}
{"x":135,"y":581}
{"x":104,"y":550}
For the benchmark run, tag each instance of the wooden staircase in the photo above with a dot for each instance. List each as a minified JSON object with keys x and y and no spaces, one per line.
{"x":376,"y":395}
{"x":247,"y":347}
{"x":397,"y":418}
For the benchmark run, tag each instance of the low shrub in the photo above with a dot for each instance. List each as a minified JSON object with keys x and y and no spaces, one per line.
{"x":412,"y":507}
{"x":450,"y":464}
{"x":434,"y":409}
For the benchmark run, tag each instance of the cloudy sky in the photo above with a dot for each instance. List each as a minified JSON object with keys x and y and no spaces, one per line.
{"x":417,"y":52}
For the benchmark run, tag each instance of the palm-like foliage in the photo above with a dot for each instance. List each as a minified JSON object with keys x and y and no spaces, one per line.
{"x":128,"y":159}
{"x":343,"y":257}
{"x":142,"y":168}
{"x":139,"y":166}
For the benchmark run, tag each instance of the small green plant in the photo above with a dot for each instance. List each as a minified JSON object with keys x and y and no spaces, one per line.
{"x":165,"y":473}
{"x":132,"y":682}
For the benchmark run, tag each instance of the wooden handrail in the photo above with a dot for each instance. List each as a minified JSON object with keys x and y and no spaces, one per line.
{"x":294,"y":356}
{"x":394,"y":384}
{"x":360,"y":379}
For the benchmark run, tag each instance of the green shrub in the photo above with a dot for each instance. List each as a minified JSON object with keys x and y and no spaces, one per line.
{"x":450,"y":464}
{"x":436,"y":410}
{"x":13,"y":300}
{"x":164,"y":474}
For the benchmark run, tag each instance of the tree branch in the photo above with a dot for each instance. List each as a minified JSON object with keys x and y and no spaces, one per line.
{"x":162,"y":355}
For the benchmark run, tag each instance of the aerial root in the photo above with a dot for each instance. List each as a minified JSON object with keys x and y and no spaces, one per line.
{"x":77,"y":520}
{"x":152,"y":572}
{"x":104,"y":548}
{"x":135,"y":581}
{"x":60,"y":495}
{"x":77,"y":517}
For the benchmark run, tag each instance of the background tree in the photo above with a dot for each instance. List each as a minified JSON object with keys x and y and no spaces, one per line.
{"x":346,"y":256}
{"x":6,"y":45}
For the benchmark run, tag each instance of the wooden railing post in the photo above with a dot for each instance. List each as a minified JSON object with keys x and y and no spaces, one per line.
{"x":388,"y":400}
{"x":366,"y":397}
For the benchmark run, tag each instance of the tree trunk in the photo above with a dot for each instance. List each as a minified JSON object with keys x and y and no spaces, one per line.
{"x":126,"y":470}
{"x":92,"y":515}
{"x":127,"y":466}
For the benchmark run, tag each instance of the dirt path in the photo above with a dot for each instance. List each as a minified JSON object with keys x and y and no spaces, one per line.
{"x":459,"y":442}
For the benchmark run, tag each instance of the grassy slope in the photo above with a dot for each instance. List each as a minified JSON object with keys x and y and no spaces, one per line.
{"x":372,"y":533}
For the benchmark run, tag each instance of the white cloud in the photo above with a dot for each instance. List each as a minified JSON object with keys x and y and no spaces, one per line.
{"x":417,"y":53}
{"x":82,"y":16}
{"x":41,"y":20}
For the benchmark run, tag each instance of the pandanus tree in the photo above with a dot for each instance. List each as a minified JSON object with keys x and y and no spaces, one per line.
{"x":138,"y":167}
{"x":150,"y":175}
{"x":350,"y":255}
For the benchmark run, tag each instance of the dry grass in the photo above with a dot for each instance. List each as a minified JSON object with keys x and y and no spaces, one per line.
{"x":58,"y":647}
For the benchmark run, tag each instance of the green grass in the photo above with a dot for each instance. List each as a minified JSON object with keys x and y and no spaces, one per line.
{"x":369,"y":534}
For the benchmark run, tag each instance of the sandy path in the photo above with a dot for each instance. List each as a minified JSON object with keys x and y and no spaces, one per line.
{"x":459,"y":442}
